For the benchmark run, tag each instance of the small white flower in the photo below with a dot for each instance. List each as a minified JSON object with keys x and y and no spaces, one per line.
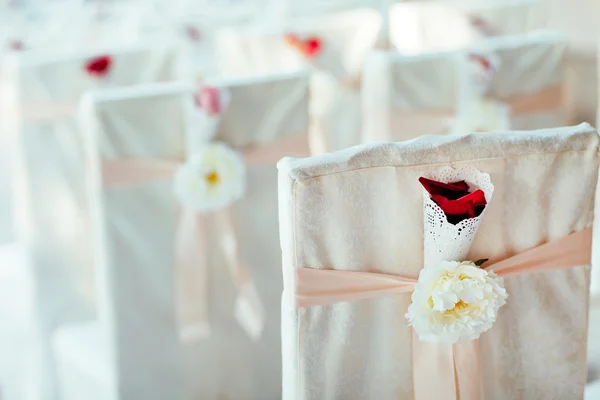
{"x":455,"y":301}
{"x":482,"y":115}
{"x":211,"y":179}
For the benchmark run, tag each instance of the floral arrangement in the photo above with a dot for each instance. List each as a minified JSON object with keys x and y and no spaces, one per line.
{"x":454,"y":300}
{"x":310,"y":47}
{"x":213,"y":176}
{"x":99,"y":67}
{"x":211,"y":179}
{"x":477,"y":112}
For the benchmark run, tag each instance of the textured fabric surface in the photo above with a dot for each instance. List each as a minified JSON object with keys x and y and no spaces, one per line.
{"x":361,"y":210}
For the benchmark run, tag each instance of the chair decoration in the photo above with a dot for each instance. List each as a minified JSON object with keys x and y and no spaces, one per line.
{"x":206,"y":185}
{"x":454,"y":300}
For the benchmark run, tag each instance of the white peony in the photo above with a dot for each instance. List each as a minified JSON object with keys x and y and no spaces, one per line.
{"x":213,"y":178}
{"x":455,"y":301}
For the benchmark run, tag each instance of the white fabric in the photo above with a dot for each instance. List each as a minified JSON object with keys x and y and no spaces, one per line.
{"x":16,"y":329}
{"x":577,"y":20}
{"x":407,"y":96}
{"x":51,"y":210}
{"x":360,"y":210}
{"x":417,"y":26}
{"x":135,"y":246}
{"x":346,"y":39}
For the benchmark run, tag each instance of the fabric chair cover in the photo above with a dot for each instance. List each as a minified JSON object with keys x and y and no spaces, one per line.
{"x":51,"y":207}
{"x":408,"y":96}
{"x":362,"y":210}
{"x":345,"y":38}
{"x":135,"y":252}
{"x":417,"y":26}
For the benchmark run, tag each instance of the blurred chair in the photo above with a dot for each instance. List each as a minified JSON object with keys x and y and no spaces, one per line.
{"x":143,"y":349}
{"x":578,"y":21}
{"x":417,"y":26}
{"x":408,"y":96}
{"x":333,"y":46}
{"x":48,"y":171}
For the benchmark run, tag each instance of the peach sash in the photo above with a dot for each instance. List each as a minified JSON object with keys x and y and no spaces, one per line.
{"x":191,"y":267}
{"x":454,"y":369}
{"x":439,"y":121}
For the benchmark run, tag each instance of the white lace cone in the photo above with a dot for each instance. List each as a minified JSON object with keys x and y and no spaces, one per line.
{"x":444,"y":241}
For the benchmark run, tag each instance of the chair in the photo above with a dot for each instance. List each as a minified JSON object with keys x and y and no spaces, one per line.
{"x":417,"y":26}
{"x":51,"y":209}
{"x":408,"y":96}
{"x":361,"y":211}
{"x":333,"y":46}
{"x":141,"y":349}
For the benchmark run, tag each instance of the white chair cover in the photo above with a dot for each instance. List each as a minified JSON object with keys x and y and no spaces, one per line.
{"x":346,"y":38}
{"x":362,"y":210}
{"x":408,"y":96}
{"x":51,"y":209}
{"x":143,"y":356}
{"x":417,"y":26}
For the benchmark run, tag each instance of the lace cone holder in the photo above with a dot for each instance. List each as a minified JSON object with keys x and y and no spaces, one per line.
{"x":444,"y":241}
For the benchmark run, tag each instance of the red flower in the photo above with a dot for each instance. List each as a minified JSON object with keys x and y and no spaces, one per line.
{"x":481,"y":25}
{"x":17,"y":45}
{"x":310,"y":47}
{"x":208,"y":99}
{"x":455,"y":200}
{"x":99,"y":66}
{"x":193,"y":33}
{"x":485,"y":63}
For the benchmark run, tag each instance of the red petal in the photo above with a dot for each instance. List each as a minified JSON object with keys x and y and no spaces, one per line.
{"x":451,"y":191}
{"x":17,"y":45}
{"x":483,"y":61}
{"x":193,"y":33}
{"x":99,"y":66}
{"x":464,"y":205}
{"x":312,"y":47}
{"x":208,"y":100}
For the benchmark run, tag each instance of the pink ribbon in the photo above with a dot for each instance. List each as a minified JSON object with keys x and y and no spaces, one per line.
{"x":439,"y":121}
{"x":454,"y":369}
{"x":191,"y":262}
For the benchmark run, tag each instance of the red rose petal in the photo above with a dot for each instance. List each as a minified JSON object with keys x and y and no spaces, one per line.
{"x":449,"y":190}
{"x":481,"y":60}
{"x":193,"y":33}
{"x":312,"y":47}
{"x":208,"y":99}
{"x":17,"y":45}
{"x":463,"y":206}
{"x":99,"y":66}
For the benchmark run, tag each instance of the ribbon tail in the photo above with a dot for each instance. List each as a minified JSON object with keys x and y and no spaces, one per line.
{"x":249,"y":311}
{"x":433,"y":370}
{"x":467,"y":369}
{"x":191,"y":278}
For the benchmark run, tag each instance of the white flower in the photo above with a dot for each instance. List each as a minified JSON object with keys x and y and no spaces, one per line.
{"x":482,"y":115}
{"x":455,"y":301}
{"x":212,"y":178}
